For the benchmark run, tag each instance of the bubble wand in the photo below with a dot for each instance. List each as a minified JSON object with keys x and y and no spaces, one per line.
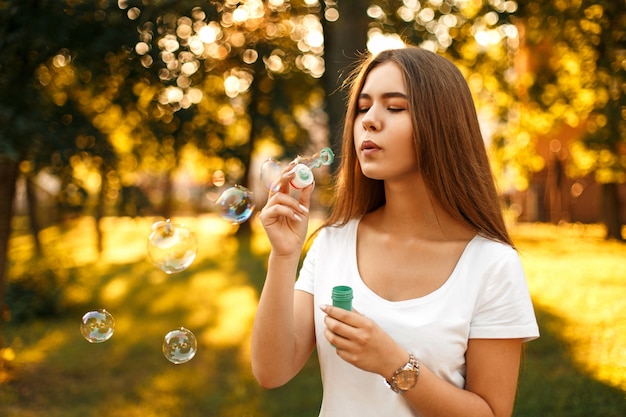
{"x":305,"y":165}
{"x":270,"y":171}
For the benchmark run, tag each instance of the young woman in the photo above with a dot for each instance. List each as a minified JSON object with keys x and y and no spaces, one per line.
{"x":441,"y":306}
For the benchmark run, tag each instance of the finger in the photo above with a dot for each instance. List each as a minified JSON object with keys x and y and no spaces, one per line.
{"x":281,"y":184}
{"x":339,"y":342}
{"x":335,"y":312}
{"x":289,"y":201}
{"x":351,"y":318}
{"x":338,"y":325}
{"x":305,"y":196}
{"x":277,"y":211}
{"x":274,"y":187}
{"x":358,"y":312}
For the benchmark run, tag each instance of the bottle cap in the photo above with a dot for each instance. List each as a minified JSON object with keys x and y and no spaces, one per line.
{"x":342,"y":297}
{"x":303,"y":178}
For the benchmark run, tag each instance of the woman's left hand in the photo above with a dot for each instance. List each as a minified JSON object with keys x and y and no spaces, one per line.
{"x":361,"y":342}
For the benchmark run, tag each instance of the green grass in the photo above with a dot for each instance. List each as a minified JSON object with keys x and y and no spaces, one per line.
{"x":578,"y":283}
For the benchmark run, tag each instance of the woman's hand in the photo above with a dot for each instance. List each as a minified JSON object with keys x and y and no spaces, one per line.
{"x":361,"y":342}
{"x":285,"y":218}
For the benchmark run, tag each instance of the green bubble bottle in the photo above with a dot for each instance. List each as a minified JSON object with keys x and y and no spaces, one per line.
{"x":342,"y":297}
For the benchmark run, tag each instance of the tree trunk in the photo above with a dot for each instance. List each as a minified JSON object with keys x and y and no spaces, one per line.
{"x":611,"y":209}
{"x":245,"y":228}
{"x":168,"y":195}
{"x":345,"y":39}
{"x":8,"y":177}
{"x":35,"y":226}
{"x":99,"y":212}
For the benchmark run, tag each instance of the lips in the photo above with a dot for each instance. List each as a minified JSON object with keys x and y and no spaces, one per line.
{"x":368,"y":145}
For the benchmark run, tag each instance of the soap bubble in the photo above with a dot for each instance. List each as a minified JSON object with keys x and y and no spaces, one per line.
{"x":235,"y":204}
{"x":180,"y":345}
{"x":172,"y":247}
{"x":97,"y":326}
{"x":270,"y":172}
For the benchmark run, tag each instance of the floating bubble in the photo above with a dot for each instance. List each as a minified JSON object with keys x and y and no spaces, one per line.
{"x":236,"y":204}
{"x":180,"y":345}
{"x":97,"y":326}
{"x":270,"y":172}
{"x":172,"y":247}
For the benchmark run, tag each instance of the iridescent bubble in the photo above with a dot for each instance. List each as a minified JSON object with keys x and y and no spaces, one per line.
{"x":97,"y":326}
{"x":180,"y":345}
{"x":236,"y":204}
{"x":172,"y":247}
{"x":270,"y":172}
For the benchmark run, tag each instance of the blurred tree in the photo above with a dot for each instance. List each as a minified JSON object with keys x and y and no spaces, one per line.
{"x":123,"y":90}
{"x":225,"y":79}
{"x":43,"y":131}
{"x":482,"y":39}
{"x":579,"y":80}
{"x":345,"y":26}
{"x":117,"y":89}
{"x":115,"y":97}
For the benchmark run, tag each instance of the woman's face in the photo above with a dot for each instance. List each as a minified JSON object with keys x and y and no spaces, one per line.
{"x":383,"y":132}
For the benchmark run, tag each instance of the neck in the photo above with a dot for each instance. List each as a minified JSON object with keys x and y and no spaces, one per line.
{"x":410,"y":210}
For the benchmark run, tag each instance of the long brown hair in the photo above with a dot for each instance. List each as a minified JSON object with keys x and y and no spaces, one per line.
{"x":450,"y":149}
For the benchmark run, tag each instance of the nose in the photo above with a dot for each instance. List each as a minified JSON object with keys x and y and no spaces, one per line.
{"x":370,"y":122}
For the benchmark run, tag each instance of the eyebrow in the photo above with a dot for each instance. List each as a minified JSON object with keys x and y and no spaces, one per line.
{"x":392,"y":94}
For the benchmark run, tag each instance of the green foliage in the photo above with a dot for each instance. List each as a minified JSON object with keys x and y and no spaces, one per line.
{"x":145,"y":80}
{"x":579,"y":78}
{"x":122,"y":88}
{"x":35,"y":293}
{"x":483,"y":39}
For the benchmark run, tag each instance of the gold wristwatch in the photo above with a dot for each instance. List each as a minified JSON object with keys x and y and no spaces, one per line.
{"x":405,"y":377}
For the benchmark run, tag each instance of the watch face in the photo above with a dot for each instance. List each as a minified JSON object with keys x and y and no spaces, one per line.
{"x":406,"y":379}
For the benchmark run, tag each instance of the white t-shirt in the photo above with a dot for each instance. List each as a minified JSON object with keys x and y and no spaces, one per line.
{"x":486,"y":296}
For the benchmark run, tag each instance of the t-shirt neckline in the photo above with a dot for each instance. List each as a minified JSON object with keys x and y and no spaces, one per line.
{"x":423,"y":299}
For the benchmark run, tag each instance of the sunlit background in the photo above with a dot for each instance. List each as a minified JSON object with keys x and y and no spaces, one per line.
{"x":116,"y":114}
{"x":184,"y":98}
